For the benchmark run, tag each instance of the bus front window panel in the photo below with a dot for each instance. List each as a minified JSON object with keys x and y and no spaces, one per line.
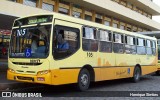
{"x":89,"y":39}
{"x":30,"y":42}
{"x":66,"y":42}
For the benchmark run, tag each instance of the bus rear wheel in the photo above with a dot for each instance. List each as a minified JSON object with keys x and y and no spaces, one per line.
{"x":83,"y":80}
{"x":136,"y":74}
{"x":157,"y":72}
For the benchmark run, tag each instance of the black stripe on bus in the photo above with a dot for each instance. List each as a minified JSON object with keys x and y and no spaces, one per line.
{"x":102,"y":67}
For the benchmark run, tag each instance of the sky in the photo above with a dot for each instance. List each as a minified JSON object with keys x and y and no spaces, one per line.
{"x":156,"y":18}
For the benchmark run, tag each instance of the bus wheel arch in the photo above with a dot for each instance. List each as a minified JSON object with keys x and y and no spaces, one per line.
{"x":84,"y":78}
{"x":137,"y":73}
{"x":91,"y":72}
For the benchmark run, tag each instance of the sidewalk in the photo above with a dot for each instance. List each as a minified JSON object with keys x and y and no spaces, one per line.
{"x":3,"y":65}
{"x":7,"y":84}
{"x":4,"y":83}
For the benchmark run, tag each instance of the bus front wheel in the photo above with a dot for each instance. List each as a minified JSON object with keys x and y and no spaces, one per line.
{"x":83,"y":80}
{"x":136,"y":74}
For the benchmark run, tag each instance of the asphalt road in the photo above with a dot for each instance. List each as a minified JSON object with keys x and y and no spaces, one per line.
{"x":122,"y":89}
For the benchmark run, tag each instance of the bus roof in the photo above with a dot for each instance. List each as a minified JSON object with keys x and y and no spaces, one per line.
{"x":92,"y":24}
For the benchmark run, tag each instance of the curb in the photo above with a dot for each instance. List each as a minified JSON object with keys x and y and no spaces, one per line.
{"x":13,"y":86}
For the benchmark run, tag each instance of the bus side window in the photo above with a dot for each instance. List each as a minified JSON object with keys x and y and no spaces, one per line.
{"x":118,"y":46}
{"x":105,"y":43}
{"x":141,"y":46}
{"x":130,"y":47}
{"x":148,"y":47}
{"x":153,"y":48}
{"x":89,"y":41}
{"x":67,"y":41}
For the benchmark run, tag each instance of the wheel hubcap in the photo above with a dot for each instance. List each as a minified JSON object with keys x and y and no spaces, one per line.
{"x":84,"y":80}
{"x":137,"y":74}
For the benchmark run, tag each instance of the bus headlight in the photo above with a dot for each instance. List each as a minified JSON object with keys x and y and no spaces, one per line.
{"x":11,"y":70}
{"x":43,"y":72}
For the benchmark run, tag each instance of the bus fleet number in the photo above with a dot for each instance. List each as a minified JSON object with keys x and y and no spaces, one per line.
{"x":89,"y":54}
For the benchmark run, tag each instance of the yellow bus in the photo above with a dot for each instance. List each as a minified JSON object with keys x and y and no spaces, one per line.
{"x":158,"y":46}
{"x":56,"y":49}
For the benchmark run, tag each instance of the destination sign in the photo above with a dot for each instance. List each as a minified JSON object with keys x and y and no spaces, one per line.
{"x":37,"y":20}
{"x":34,"y":20}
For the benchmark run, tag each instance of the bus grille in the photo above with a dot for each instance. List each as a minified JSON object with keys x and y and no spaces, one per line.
{"x":21,"y":71}
{"x":20,"y":63}
{"x":25,"y":78}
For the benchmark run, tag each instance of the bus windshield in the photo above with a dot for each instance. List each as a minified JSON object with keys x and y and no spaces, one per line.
{"x":30,"y":42}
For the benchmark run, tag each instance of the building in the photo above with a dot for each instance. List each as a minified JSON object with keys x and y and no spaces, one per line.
{"x":130,"y":15}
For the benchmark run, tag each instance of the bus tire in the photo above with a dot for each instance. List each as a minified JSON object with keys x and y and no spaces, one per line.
{"x":136,"y":74}
{"x":83,"y":80}
{"x":157,"y":72}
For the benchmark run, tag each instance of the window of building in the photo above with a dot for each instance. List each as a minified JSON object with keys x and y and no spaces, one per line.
{"x":130,"y":47}
{"x":31,"y":3}
{"x":76,"y":14}
{"x":116,"y":1}
{"x":144,"y":13}
{"x":140,"y":29}
{"x":129,"y":5}
{"x":47,"y":6}
{"x":115,"y":25}
{"x":118,"y":46}
{"x":63,"y":11}
{"x":105,"y":41}
{"x":13,"y":0}
{"x":129,"y":27}
{"x":65,"y":41}
{"x":134,"y":29}
{"x":107,"y":23}
{"x":98,"y":18}
{"x":124,"y":3}
{"x":140,"y":11}
{"x":135,"y":9}
{"x":64,"y":7}
{"x":141,"y":46}
{"x":89,"y":42}
{"x":150,"y":16}
{"x":77,"y":11}
{"x":122,"y":27}
{"x":88,"y":15}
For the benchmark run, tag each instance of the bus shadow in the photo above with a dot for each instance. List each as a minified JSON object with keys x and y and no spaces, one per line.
{"x":71,"y":91}
{"x":117,"y":82}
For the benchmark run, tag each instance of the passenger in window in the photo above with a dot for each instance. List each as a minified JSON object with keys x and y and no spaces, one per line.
{"x":41,"y":47}
{"x":34,"y":44}
{"x":62,"y":44}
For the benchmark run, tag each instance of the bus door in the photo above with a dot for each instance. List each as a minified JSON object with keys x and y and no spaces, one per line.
{"x":66,"y":42}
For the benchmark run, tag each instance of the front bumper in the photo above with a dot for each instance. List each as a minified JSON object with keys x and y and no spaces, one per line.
{"x":29,"y":78}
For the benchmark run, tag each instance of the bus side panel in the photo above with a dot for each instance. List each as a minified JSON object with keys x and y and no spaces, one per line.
{"x":148,"y":69}
{"x":64,"y":76}
{"x":111,"y":73}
